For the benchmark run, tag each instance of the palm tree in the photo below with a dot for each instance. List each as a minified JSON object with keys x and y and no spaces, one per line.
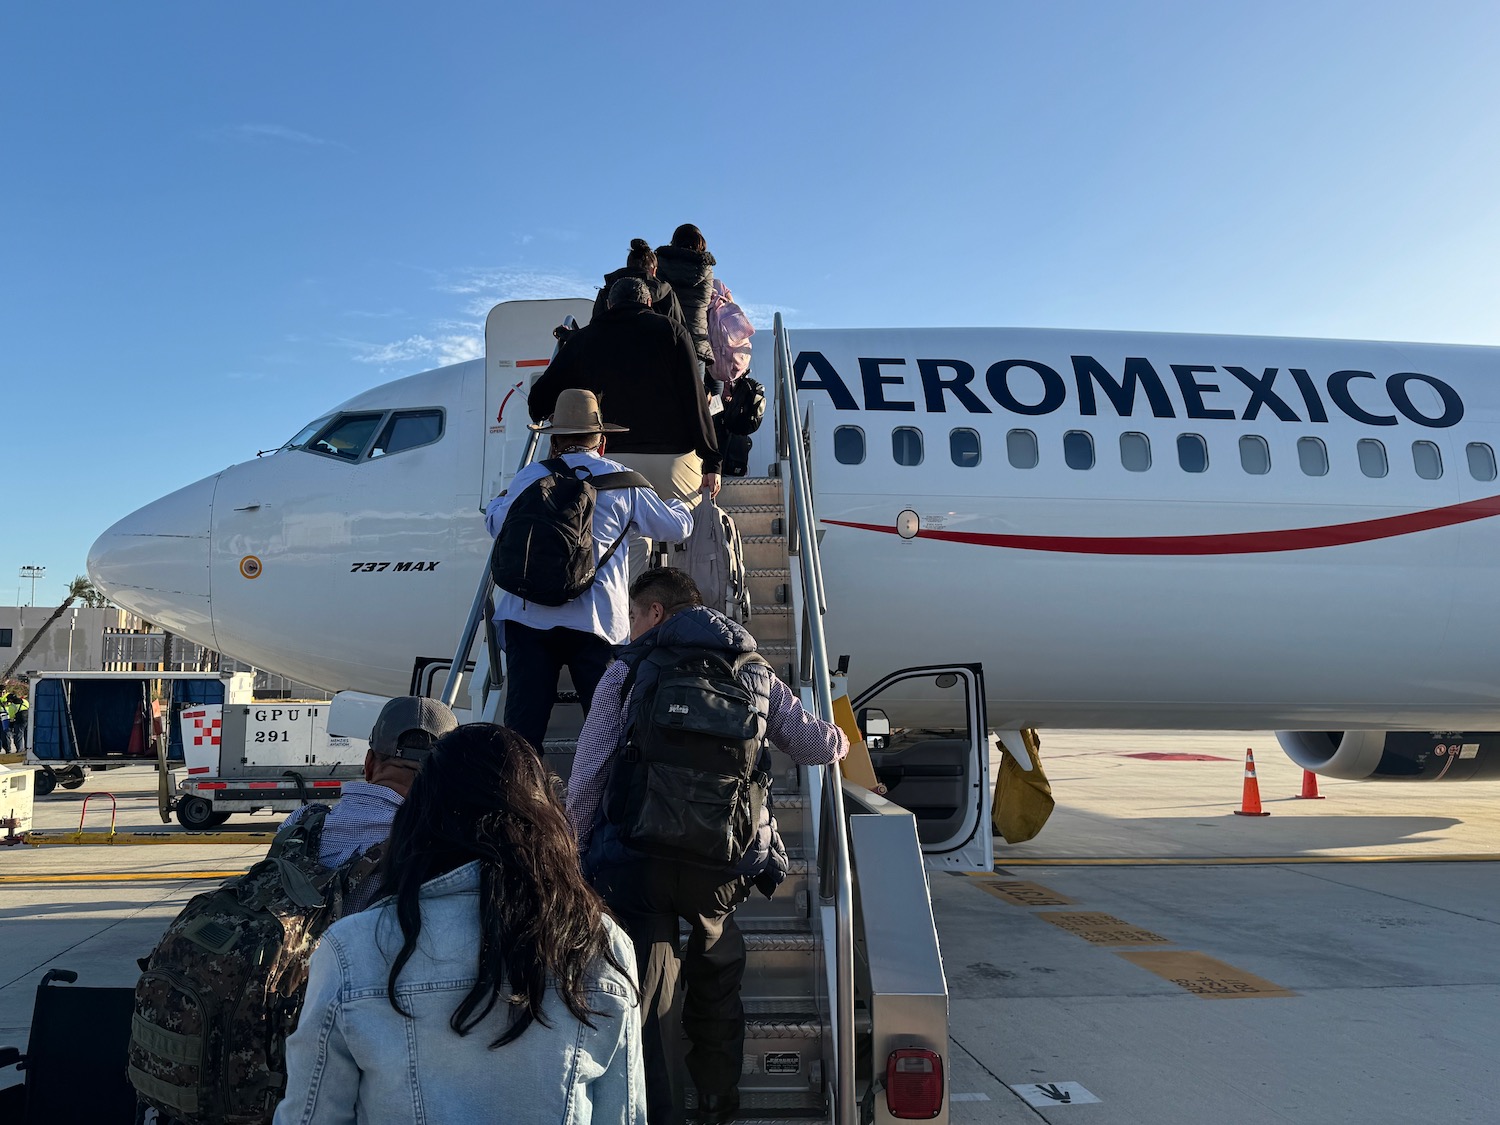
{"x":80,"y":589}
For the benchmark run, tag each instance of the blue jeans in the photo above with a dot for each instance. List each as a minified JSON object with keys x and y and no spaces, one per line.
{"x":534,"y":658}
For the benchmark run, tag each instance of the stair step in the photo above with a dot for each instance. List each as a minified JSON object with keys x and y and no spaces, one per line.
{"x":783,"y":1026}
{"x":764,"y":551}
{"x":745,"y":491}
{"x":764,"y":941}
{"x":775,"y":926}
{"x":783,"y":1104}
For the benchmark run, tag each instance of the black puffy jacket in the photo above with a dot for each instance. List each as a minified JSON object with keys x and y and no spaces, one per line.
{"x":663,"y":299}
{"x":691,"y":275}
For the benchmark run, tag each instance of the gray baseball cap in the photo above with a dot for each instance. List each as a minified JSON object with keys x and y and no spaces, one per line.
{"x":408,"y":714}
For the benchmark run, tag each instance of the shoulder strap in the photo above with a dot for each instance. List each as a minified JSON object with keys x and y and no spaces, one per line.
{"x":626,"y":479}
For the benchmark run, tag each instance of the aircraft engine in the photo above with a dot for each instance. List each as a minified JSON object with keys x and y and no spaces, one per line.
{"x":1395,"y":755}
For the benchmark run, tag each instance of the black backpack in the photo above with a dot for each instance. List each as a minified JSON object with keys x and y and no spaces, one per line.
{"x":545,"y":550}
{"x":686,"y":786}
{"x":746,"y":407}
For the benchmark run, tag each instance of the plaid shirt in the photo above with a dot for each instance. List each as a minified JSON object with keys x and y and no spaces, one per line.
{"x":805,"y":739}
{"x":358,"y":820}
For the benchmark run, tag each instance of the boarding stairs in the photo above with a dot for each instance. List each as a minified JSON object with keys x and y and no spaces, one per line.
{"x":808,"y":1005}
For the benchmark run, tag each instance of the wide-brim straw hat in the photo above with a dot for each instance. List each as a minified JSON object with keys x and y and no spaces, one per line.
{"x":577,"y":412}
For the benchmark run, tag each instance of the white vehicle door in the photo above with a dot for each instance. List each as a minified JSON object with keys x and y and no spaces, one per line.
{"x":929,"y":744}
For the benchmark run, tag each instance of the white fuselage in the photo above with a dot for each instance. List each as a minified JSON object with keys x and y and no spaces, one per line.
{"x":1148,"y":595}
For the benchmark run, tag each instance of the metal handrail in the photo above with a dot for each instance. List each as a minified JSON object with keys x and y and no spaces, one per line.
{"x":792,"y":447}
{"x":479,"y":609}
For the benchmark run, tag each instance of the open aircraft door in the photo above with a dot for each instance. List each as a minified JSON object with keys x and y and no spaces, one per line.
{"x":930,"y":746}
{"x":518,"y":344}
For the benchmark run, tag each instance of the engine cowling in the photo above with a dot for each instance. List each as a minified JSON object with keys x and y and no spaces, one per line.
{"x":1395,"y":755}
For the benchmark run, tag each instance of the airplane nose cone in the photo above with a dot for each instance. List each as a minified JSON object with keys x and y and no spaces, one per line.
{"x":155,"y":561}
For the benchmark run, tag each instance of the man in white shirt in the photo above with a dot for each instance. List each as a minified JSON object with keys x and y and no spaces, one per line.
{"x":539,"y":640}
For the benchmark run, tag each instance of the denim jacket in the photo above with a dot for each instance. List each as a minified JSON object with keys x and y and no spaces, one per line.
{"x":353,"y":1058}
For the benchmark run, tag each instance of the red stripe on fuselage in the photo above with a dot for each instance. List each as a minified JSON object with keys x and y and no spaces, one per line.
{"x":1232,"y":543}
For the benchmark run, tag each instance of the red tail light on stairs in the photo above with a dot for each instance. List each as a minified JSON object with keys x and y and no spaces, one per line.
{"x":914,"y":1083}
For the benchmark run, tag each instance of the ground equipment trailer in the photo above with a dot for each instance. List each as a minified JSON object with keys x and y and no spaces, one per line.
{"x":82,"y":721}
{"x":273,"y":756}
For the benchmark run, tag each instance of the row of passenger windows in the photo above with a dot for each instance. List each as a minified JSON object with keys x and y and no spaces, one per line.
{"x":1023,"y":452}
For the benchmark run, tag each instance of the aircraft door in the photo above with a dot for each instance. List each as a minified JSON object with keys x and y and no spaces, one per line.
{"x":518,"y":344}
{"x":929,"y":744}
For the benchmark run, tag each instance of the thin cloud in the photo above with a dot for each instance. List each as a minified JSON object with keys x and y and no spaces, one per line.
{"x":457,"y":338}
{"x":486,"y":288}
{"x":434,"y":351}
{"x":260,"y":131}
{"x":764,"y":316}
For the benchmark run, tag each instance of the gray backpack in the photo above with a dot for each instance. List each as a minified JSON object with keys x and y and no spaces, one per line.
{"x":714,"y":557}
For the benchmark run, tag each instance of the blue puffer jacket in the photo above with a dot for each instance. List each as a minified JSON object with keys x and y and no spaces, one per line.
{"x":699,"y":627}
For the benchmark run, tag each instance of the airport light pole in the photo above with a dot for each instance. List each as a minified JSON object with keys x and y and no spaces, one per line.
{"x":33,"y":573}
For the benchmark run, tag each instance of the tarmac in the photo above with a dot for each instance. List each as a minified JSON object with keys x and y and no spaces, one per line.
{"x":1149,"y":959}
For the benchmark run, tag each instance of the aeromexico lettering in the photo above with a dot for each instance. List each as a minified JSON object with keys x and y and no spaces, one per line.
{"x":1030,"y":388}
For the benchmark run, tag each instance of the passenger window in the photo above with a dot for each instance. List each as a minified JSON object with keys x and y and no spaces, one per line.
{"x":849,"y":445}
{"x":1135,"y":452}
{"x":346,"y":436}
{"x":1312,"y":455}
{"x":1192,"y":453}
{"x":1078,"y":449}
{"x":1481,"y":461}
{"x":1427,"y":459}
{"x":906,"y":445}
{"x":1372,"y":460}
{"x":963,"y":447}
{"x":408,"y":429}
{"x":1255,"y":455}
{"x":1021,"y":449}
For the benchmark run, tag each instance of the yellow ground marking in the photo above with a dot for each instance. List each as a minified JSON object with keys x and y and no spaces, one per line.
{"x":62,"y":836}
{"x":118,"y":876}
{"x":1102,"y":929}
{"x":1204,"y":976}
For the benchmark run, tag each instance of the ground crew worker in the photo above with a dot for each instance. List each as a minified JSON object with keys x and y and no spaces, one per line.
{"x":648,"y":894}
{"x":581,"y":634}
{"x":16,"y":708}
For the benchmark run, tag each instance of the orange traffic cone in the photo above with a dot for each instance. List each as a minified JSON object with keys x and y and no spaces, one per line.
{"x":1250,"y":802}
{"x":137,"y":745}
{"x":1309,"y":787}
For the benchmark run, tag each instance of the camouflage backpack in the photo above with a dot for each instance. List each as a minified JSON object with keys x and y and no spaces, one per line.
{"x":224,"y":987}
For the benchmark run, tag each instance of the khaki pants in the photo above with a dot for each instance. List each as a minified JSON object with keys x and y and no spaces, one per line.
{"x":675,"y":476}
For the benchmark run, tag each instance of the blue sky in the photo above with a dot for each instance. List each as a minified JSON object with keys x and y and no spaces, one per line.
{"x":220,"y":219}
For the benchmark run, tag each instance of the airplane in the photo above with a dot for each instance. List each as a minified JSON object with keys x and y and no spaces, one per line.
{"x":1076,"y":528}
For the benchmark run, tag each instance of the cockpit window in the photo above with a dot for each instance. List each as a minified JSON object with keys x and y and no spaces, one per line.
{"x":346,"y":436}
{"x":408,"y":429}
{"x":305,"y":434}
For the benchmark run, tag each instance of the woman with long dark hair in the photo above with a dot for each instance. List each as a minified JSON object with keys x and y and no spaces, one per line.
{"x":489,"y":985}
